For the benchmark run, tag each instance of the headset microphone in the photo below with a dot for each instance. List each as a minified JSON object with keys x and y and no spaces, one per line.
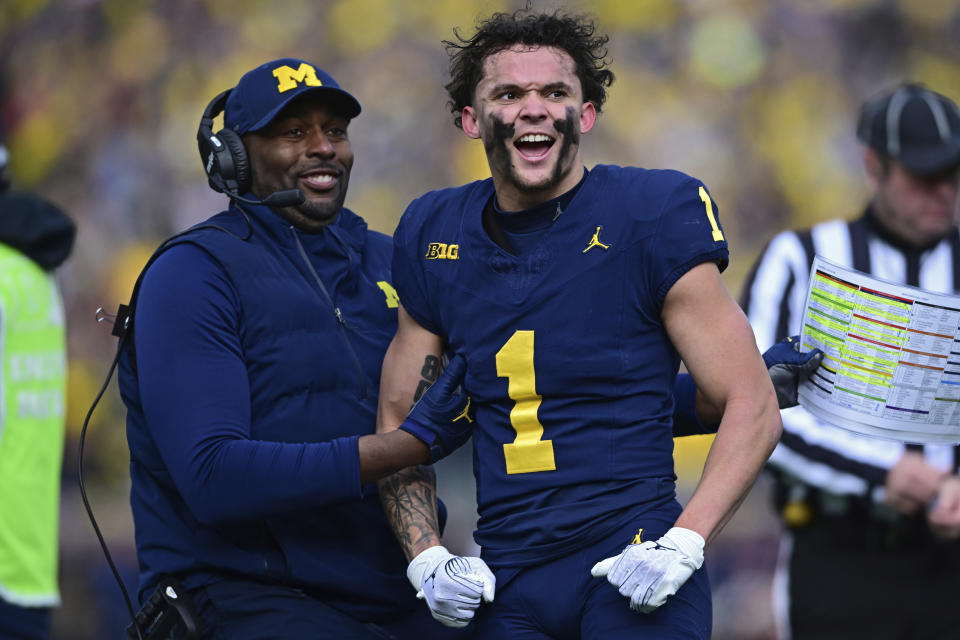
{"x":285,"y":198}
{"x":279,"y":199}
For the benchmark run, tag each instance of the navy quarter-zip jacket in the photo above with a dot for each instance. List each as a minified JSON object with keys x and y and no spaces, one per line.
{"x":258,"y":351}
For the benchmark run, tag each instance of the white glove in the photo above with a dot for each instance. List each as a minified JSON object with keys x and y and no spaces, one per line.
{"x":650,"y":572}
{"x":452,"y":585}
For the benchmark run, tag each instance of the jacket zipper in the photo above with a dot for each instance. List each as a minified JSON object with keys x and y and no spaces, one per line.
{"x":341,"y":322}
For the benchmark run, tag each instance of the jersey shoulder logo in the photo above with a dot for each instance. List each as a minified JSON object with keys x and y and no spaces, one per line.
{"x":595,"y":241}
{"x":637,"y":539}
{"x":442,"y":251}
{"x":393,"y":300}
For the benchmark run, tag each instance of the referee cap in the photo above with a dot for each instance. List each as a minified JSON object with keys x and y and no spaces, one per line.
{"x":264,"y":91}
{"x":915,"y":126}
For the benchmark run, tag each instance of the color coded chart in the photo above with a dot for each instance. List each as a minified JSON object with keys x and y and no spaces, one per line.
{"x":891,"y":364}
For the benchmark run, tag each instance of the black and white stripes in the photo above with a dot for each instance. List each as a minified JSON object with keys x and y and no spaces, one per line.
{"x":827,"y":457}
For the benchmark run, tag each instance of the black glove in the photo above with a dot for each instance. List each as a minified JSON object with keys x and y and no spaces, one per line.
{"x":788,"y":366}
{"x":443,"y":417}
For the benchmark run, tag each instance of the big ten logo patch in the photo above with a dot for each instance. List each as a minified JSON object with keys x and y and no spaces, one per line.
{"x":442,"y":251}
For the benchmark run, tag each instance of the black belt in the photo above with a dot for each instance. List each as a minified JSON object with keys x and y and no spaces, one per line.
{"x":853,"y":521}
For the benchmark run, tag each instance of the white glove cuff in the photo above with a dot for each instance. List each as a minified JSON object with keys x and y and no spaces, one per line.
{"x":426,"y":561}
{"x":688,"y":542}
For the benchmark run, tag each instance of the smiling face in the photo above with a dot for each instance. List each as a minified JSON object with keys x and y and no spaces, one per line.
{"x":305,"y":147}
{"x":529,"y":112}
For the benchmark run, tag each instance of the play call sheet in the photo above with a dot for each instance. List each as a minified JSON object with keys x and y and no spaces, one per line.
{"x":892,"y":356}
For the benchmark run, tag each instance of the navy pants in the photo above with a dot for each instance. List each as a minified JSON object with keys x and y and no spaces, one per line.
{"x":560,"y":600}
{"x":24,"y":623}
{"x":243,"y":610}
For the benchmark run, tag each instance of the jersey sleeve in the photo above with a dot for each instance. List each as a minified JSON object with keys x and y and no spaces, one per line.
{"x":688,"y":233}
{"x":196,"y":400}
{"x":409,"y":276}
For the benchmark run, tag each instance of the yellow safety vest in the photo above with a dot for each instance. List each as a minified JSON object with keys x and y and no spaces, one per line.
{"x":32,"y":397}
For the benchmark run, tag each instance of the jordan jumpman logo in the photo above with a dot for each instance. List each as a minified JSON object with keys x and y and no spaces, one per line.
{"x":595,"y":241}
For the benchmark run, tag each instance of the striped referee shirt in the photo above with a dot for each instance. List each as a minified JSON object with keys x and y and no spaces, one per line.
{"x":821,"y":455}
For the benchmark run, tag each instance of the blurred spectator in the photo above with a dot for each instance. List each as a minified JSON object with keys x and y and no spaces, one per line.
{"x":870,"y":520}
{"x":35,"y":238}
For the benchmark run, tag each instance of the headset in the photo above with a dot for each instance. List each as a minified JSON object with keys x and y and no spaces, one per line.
{"x":227,"y":166}
{"x":226,"y":162}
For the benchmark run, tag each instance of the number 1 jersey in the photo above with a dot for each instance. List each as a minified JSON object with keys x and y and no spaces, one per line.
{"x":568,"y":362}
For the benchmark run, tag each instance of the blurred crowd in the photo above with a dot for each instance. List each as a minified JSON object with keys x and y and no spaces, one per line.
{"x":100,"y":100}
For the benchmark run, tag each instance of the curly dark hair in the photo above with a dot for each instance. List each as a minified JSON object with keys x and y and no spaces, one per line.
{"x":575,"y":34}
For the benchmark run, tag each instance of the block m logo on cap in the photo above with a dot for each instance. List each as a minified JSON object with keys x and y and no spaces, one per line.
{"x":288,"y":78}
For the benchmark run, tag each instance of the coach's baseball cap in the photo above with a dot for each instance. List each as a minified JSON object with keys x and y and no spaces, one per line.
{"x":915,"y":126}
{"x":264,"y":91}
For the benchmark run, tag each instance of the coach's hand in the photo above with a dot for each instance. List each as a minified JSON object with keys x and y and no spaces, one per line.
{"x":453,"y":586}
{"x":650,"y":572}
{"x":788,"y":366}
{"x":443,"y":417}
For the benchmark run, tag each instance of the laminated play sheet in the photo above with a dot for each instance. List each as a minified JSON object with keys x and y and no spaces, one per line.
{"x":892,"y":356}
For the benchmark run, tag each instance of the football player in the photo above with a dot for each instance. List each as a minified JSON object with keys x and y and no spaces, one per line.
{"x":573,"y":294}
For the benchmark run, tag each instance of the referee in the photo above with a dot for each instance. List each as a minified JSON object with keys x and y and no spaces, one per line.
{"x":870,"y":546}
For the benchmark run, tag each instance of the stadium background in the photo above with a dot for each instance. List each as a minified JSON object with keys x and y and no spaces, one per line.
{"x":100,"y":100}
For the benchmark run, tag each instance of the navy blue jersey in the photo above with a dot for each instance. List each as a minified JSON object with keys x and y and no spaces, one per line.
{"x":568,"y":361}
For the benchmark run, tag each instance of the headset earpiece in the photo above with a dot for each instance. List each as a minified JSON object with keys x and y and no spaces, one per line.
{"x":223,"y":155}
{"x":239,"y":171}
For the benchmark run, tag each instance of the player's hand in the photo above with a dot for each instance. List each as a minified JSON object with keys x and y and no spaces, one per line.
{"x":944,"y":513}
{"x":650,"y":572}
{"x":453,"y":586}
{"x":788,"y":366}
{"x":443,"y":417}
{"x":912,"y":483}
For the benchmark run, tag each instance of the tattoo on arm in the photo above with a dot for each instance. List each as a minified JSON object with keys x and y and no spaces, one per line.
{"x":409,"y":500}
{"x":430,"y":372}
{"x":409,"y":497}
